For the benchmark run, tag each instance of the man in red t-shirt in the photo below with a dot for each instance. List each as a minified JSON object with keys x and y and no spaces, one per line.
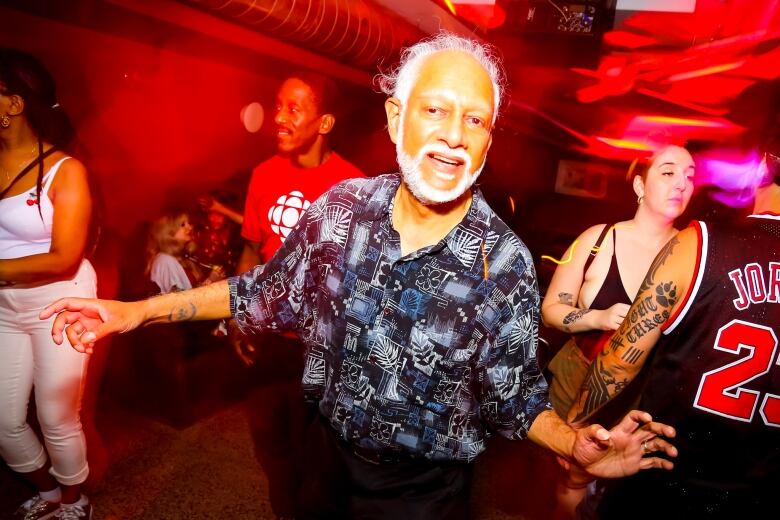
{"x":280,"y":190}
{"x":304,"y":168}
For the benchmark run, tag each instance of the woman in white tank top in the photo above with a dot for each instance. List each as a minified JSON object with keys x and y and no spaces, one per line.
{"x":44,"y":221}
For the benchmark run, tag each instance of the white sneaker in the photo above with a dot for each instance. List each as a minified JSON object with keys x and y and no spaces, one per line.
{"x":74,"y":512}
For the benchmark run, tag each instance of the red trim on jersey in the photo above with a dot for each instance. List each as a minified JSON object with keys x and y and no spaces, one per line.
{"x":695,"y":225}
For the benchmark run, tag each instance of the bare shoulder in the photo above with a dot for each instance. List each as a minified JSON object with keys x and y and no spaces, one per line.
{"x":72,"y":175}
{"x":70,"y":169}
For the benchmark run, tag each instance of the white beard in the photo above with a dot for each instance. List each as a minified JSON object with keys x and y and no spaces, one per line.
{"x":413,"y":177}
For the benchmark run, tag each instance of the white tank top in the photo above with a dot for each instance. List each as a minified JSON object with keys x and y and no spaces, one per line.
{"x":22,"y":231}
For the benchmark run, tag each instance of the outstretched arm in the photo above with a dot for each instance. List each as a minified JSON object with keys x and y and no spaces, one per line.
{"x":84,"y":321}
{"x":662,"y":291}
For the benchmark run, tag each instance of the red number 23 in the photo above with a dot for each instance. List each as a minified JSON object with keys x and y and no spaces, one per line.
{"x":720,"y":390}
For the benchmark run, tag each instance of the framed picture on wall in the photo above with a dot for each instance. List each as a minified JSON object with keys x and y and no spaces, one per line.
{"x":582,"y":179}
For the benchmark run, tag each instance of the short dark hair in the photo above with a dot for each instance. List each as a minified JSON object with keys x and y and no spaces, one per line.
{"x":322,"y":87}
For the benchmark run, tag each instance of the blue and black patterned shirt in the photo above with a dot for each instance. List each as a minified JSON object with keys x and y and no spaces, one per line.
{"x":422,"y":354}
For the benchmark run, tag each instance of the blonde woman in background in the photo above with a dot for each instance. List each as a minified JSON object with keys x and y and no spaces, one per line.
{"x":169,"y":249}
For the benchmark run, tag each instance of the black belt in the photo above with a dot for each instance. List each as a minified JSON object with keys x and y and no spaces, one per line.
{"x":377,"y":457}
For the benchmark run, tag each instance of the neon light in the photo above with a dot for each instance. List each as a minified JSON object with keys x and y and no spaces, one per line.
{"x":625,"y":144}
{"x":681,"y":121}
{"x":562,"y":261}
{"x":595,"y":249}
{"x":450,"y":7}
{"x":715,"y":69}
{"x":512,"y":204}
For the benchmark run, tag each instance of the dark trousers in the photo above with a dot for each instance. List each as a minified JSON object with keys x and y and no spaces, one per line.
{"x":339,"y":484}
{"x":279,"y":417}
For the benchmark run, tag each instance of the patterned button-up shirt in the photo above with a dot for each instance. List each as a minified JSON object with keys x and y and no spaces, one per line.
{"x":420,"y":354}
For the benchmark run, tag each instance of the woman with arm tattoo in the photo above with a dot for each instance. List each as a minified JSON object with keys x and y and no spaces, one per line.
{"x":591,"y":293}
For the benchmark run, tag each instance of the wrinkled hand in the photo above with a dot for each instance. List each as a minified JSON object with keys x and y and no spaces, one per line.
{"x":621,"y":451}
{"x":84,"y":321}
{"x":242,"y":347}
{"x":612,"y":317}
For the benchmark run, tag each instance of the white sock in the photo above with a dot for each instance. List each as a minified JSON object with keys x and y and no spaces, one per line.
{"x":54,"y":496}
{"x":82,"y":501}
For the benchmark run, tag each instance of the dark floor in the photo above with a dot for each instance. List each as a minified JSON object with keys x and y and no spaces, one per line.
{"x":150,"y":463}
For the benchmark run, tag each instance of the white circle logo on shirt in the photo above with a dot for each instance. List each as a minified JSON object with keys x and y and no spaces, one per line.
{"x":287,"y":212}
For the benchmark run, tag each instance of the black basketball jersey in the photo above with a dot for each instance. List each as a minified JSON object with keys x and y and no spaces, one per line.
{"x":715,"y":376}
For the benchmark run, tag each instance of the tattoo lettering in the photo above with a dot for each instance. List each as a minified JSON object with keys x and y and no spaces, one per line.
{"x":615,"y":343}
{"x":182,"y":313}
{"x":566,"y":298}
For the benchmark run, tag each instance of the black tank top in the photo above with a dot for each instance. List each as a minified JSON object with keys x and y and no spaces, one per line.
{"x":612,"y":291}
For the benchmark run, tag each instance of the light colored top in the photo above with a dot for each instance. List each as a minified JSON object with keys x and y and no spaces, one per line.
{"x":22,"y":230}
{"x":168,"y":274}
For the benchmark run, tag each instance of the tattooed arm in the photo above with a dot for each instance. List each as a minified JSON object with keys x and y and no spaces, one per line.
{"x":559,"y":308}
{"x":89,"y":320}
{"x":665,"y":284}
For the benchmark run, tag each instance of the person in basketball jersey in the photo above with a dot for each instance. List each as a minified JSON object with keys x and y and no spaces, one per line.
{"x":703,"y":331}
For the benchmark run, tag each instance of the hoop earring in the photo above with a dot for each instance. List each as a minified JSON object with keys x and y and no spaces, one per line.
{"x":5,"y":121}
{"x":639,"y":199}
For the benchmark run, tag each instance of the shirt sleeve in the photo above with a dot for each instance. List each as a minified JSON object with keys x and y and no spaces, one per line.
{"x":273,"y":296}
{"x":168,"y":274}
{"x":511,"y":388}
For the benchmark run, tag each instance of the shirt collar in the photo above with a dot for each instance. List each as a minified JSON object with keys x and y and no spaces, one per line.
{"x":476,"y":222}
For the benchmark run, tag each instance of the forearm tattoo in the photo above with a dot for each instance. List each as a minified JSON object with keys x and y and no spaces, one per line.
{"x":649,"y":311}
{"x":572,"y":317}
{"x":566,"y":298}
{"x":184,"y":312}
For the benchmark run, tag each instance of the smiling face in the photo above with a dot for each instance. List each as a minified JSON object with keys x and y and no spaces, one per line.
{"x":298,"y":122}
{"x":443,"y":131}
{"x":668,"y":184}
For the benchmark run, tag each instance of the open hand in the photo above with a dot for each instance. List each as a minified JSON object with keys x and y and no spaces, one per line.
{"x":624,"y":449}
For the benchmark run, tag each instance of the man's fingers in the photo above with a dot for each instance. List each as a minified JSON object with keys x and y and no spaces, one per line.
{"x":656,"y":428}
{"x":60,"y":322}
{"x":90,"y":307}
{"x":597,"y":434}
{"x":657,"y":444}
{"x":655,"y":462}
{"x":633,"y":420}
{"x":74,"y":339}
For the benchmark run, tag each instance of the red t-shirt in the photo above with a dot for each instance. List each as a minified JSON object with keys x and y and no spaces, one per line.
{"x":280,"y":192}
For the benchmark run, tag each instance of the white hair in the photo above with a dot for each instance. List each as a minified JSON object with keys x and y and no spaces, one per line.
{"x":398,"y":83}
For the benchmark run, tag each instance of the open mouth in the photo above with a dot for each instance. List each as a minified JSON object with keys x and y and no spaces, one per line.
{"x":447,"y":161}
{"x":283,"y":132}
{"x":445,"y":167}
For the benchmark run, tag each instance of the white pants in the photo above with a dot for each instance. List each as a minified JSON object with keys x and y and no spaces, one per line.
{"x":29,"y":357}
